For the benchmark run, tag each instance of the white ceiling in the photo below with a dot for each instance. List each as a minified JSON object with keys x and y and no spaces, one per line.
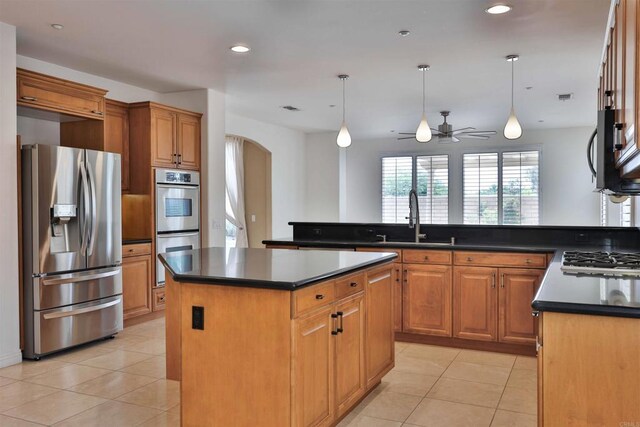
{"x":298,"y":48}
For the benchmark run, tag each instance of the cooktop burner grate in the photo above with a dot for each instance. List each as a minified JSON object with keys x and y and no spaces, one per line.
{"x":598,"y":260}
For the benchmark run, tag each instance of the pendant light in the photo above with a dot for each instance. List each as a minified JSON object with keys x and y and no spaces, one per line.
{"x":344,"y":139}
{"x":423,"y":134}
{"x":512,"y":129}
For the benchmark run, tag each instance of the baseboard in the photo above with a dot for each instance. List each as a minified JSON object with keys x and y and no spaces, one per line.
{"x":11,"y":359}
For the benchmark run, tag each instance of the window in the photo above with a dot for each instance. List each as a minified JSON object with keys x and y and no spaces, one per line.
{"x":501,"y":188}
{"x":480,"y":181}
{"x":432,"y":177}
{"x":625,"y":213}
{"x":397,"y":181}
{"x":603,"y":209}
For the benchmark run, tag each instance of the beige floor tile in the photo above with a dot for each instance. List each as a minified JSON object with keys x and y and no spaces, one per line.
{"x":79,"y":354}
{"x":55,"y":407}
{"x":15,"y":422}
{"x":68,"y":376}
{"x":477,"y":373}
{"x":399,"y":345}
{"x":116,"y":360}
{"x":523,"y":362}
{"x":364,"y":421}
{"x":438,"y":413}
{"x":431,"y":352}
{"x":120,"y":342}
{"x":486,"y":358}
{"x":519,"y":400}
{"x":112,"y":385}
{"x":408,"y":383}
{"x":166,"y":419}
{"x":461,"y":391}
{"x":513,"y":419}
{"x":161,"y":394}
{"x":5,"y":381}
{"x":30,"y":368}
{"x":155,"y":367}
{"x":148,"y":330}
{"x":523,"y":378}
{"x":154,"y":346}
{"x":19,"y":393}
{"x":109,"y":414}
{"x":391,"y":406}
{"x":420,"y":366}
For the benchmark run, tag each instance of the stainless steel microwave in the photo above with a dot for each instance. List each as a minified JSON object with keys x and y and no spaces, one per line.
{"x":601,"y":150}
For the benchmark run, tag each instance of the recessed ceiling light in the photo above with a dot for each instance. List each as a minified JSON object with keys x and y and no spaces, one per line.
{"x":529,"y":87}
{"x":404,"y":33}
{"x":240,"y":48}
{"x":57,"y":26}
{"x":498,"y":9}
{"x":332,"y":105}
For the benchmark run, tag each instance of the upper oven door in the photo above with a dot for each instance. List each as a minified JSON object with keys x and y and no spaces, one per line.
{"x":177,"y":208}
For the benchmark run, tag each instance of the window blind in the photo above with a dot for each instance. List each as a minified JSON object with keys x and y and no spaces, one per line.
{"x":520,"y":189}
{"x":397,"y":181}
{"x":603,"y":209}
{"x":480,"y":194}
{"x":625,"y":213}
{"x":432,"y":185}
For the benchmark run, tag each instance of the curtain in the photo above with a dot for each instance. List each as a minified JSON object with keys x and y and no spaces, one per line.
{"x":235,"y":188}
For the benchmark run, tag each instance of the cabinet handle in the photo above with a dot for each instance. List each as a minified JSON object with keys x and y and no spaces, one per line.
{"x":528,"y":261}
{"x":535,"y":313}
{"x":319,"y":296}
{"x":100,"y":113}
{"x":397,"y":275}
{"x":353,"y":284}
{"x":179,"y":159}
{"x":405,"y":276}
{"x":538,"y":344}
{"x":162,"y":298}
{"x":493,"y":281}
{"x":502,"y":280}
{"x":130,"y":250}
{"x":29,"y":98}
{"x":340,"y":328}
{"x":426,"y":258}
{"x":469,"y":259}
{"x":333,"y":326}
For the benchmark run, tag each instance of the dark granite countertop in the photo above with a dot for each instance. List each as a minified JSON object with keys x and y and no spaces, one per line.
{"x":266,"y":268}
{"x":559,"y":291}
{"x":134,"y":241}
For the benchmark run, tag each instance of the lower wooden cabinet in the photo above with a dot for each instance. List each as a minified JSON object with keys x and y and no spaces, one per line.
{"x":397,"y":297}
{"x":136,"y":284}
{"x":475,"y":306}
{"x":379,"y":324}
{"x":349,"y":347}
{"x":517,"y":288}
{"x":159,"y":299}
{"x":427,"y":299}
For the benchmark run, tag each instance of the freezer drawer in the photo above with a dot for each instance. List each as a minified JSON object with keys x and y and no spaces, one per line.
{"x":64,"y":327}
{"x":73,"y":288}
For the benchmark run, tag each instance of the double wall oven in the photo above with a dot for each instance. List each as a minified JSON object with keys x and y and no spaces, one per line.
{"x":177,"y":214}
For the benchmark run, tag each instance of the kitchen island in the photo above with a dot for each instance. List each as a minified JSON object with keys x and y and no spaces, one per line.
{"x":276,"y":337}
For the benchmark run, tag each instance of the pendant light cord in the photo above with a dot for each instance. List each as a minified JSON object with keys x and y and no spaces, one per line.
{"x":423,"y":91}
{"x":343,"y":100}
{"x":512,"y":61}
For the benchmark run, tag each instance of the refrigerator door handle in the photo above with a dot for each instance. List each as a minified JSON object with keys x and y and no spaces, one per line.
{"x":59,"y":280}
{"x":93,"y":214}
{"x":85,"y":212}
{"x":81,"y":310}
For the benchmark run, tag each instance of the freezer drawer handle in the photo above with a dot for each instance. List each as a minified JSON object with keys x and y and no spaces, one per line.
{"x":81,"y":310}
{"x":62,"y":280}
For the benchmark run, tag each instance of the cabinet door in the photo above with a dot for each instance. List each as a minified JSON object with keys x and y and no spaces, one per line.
{"x":475,"y":303}
{"x":427,"y":299}
{"x":136,"y":285}
{"x":349,"y":364}
{"x":517,"y":289}
{"x":188,"y":142}
{"x":379,"y":326}
{"x":313,"y":374}
{"x":397,"y":297}
{"x":116,"y":137}
{"x":163,"y":138}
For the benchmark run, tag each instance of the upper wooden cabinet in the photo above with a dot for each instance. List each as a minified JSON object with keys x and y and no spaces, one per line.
{"x":116,"y":136}
{"x":50,"y":93}
{"x":188,"y":141}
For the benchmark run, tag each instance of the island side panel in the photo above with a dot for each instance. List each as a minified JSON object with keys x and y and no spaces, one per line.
{"x":236,"y":372}
{"x":380,"y":349}
{"x":172,"y":328}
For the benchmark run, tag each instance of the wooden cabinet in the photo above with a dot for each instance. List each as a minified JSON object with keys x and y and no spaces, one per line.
{"x":116,"y":136}
{"x":475,"y":303}
{"x":313,"y":369}
{"x":427,"y":299}
{"x":136,"y":280}
{"x":398,"y":280}
{"x":517,"y":289}
{"x":188,"y":142}
{"x":163,"y":138}
{"x":53,"y":94}
{"x":159,"y":299}
{"x":379,"y":325}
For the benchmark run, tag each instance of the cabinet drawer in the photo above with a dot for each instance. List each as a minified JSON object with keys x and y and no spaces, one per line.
{"x":49,"y":93}
{"x":422,"y":256}
{"x":500,"y":259}
{"x":313,"y":297}
{"x":136,"y":249}
{"x":159,"y":299}
{"x":349,"y":285}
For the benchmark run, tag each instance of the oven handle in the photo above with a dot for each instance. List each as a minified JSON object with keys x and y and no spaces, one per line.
{"x":170,"y":235}
{"x":81,"y":310}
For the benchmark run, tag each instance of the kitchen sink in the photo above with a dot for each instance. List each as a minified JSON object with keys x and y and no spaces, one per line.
{"x":391,"y":242}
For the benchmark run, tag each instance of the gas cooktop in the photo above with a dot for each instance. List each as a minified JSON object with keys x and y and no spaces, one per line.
{"x":600,"y":262}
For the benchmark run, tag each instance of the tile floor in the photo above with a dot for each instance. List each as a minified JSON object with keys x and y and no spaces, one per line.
{"x":121,"y":382}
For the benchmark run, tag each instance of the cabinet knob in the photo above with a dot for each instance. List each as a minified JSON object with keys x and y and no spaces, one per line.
{"x":162,"y":298}
{"x":469,"y":259}
{"x":426,"y":258}
{"x":353,"y":284}
{"x":528,"y":261}
{"x":319,"y":296}
{"x":29,"y":98}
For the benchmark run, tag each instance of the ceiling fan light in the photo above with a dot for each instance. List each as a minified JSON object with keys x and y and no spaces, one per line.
{"x":423,"y":134}
{"x":512,"y":129}
{"x":344,"y":139}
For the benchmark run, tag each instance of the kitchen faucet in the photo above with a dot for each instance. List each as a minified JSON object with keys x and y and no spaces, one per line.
{"x":413,"y":201}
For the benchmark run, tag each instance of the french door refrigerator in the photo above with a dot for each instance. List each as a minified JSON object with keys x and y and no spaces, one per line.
{"x":72,"y":253}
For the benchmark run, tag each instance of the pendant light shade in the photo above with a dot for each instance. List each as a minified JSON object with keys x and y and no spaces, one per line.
{"x":423,"y":133}
{"x":512,"y":130}
{"x":344,"y":138}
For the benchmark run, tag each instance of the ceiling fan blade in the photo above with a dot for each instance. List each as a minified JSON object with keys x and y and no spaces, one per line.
{"x":457,"y":131}
{"x":406,"y":133}
{"x":471,"y":136}
{"x":407,"y":137}
{"x":454,"y":139}
{"x":482,"y":132}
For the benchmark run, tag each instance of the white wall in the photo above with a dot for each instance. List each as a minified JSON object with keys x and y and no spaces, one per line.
{"x":37,"y":131}
{"x":323,"y":185}
{"x":567,"y":197}
{"x":9,"y":310}
{"x":288,"y":175}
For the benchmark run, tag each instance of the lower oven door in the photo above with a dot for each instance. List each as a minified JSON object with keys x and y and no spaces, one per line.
{"x":172,"y":243}
{"x":68,"y":326}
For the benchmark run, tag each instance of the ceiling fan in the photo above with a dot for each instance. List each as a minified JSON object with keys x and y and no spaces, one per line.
{"x":446,"y":133}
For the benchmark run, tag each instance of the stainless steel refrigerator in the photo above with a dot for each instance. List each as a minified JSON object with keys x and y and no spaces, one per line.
{"x":72,"y":247}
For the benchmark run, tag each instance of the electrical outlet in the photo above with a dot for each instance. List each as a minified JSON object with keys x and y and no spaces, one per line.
{"x":253,"y":218}
{"x":197,"y":318}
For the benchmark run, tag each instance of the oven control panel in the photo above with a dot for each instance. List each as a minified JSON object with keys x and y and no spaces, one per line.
{"x":178,"y":177}
{"x":172,"y":176}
